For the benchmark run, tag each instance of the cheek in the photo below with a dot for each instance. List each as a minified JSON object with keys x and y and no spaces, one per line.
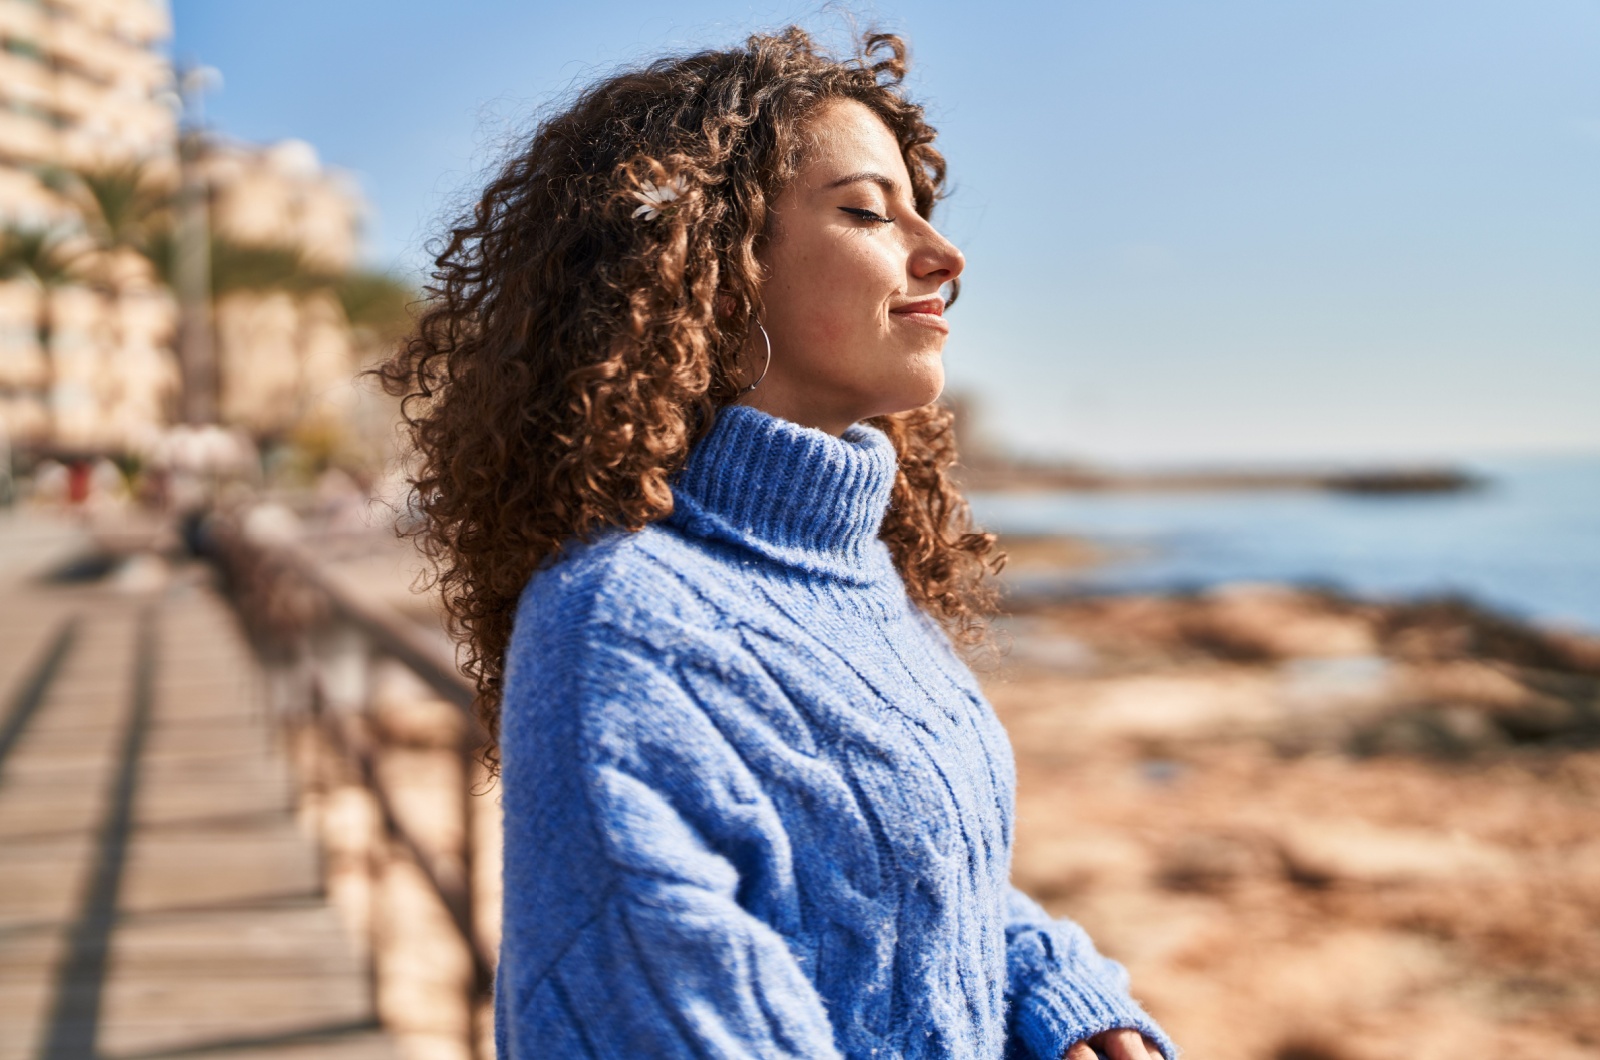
{"x":833,"y":327}
{"x":832,"y":292}
{"x":857,"y":286}
{"x":829,"y":303}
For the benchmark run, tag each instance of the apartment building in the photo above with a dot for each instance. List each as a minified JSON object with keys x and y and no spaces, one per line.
{"x":83,"y":85}
{"x":88,"y":364}
{"x":282,"y":355}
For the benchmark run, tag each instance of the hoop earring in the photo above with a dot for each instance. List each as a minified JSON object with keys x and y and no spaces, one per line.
{"x":768,"y":340}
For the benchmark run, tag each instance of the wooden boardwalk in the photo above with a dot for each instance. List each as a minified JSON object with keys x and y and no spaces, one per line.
{"x":157,"y":897}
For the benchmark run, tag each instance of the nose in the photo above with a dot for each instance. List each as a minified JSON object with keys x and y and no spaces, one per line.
{"x":937,"y":258}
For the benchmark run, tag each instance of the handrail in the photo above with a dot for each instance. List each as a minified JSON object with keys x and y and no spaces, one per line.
{"x":284,"y":596}
{"x":390,"y":633}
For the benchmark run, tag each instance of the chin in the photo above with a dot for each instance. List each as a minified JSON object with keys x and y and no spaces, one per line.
{"x":913,"y":390}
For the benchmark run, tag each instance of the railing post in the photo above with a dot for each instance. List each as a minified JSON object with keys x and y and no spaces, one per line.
{"x":322,"y":637}
{"x":482,"y":986}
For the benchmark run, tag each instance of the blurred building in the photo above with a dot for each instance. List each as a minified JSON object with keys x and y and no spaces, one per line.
{"x":87,"y":361}
{"x":284,"y":350}
{"x":85,"y":87}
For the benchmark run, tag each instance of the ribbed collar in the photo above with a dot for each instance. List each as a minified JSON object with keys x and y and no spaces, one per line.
{"x":793,"y":494}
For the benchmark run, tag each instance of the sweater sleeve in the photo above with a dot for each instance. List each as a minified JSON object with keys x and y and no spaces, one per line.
{"x":1060,"y":990}
{"x":624,"y":932}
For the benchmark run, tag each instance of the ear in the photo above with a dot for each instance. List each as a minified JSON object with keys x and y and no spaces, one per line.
{"x":724,"y":304}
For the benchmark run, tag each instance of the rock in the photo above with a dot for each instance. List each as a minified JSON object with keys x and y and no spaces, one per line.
{"x":1274,"y":622}
{"x":1320,"y":853}
{"x":1341,"y":682}
{"x":1440,"y":731}
{"x":1464,"y":681}
{"x":1539,"y":719}
{"x":1211,"y":864}
{"x":1172,"y":706}
{"x":1303,"y":1046}
{"x":1451,"y":628}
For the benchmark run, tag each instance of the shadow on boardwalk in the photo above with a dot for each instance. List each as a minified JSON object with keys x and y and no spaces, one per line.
{"x":157,"y":897}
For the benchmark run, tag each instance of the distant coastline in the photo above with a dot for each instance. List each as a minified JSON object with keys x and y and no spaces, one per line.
{"x":1522,"y":544}
{"x":987,"y":466}
{"x":991,"y":475}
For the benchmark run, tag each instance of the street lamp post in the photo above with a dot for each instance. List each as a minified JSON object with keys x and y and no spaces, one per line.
{"x":191,"y":273}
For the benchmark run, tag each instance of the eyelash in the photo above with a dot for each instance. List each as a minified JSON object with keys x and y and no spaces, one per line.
{"x":867,"y":215}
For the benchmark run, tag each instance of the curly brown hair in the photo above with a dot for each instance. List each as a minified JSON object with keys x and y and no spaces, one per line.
{"x":567,"y":358}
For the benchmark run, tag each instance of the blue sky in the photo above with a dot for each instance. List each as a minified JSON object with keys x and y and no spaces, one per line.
{"x":1197,"y":232}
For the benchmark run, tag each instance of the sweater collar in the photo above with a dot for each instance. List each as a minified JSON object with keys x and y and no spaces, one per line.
{"x":793,"y":494}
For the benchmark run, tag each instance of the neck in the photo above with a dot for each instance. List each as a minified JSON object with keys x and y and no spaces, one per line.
{"x":773,"y":398}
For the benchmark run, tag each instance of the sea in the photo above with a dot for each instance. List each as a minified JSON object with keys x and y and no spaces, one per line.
{"x":1525,"y":543}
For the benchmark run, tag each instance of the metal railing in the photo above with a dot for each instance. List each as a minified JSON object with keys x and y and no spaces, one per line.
{"x":291,"y":604}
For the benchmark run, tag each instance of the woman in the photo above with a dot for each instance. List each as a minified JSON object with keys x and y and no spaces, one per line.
{"x":688,"y":495}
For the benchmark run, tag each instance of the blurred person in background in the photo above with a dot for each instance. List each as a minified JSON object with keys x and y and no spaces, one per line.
{"x":686,"y":487}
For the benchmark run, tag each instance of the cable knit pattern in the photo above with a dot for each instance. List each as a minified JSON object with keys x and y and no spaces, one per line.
{"x":755,"y":806}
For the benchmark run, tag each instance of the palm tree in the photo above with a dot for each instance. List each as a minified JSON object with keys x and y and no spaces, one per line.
{"x":125,"y":208}
{"x":373,"y":302}
{"x":133,"y":207}
{"x":46,"y":258}
{"x":242,"y":266}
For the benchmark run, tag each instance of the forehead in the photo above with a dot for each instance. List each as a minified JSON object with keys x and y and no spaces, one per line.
{"x":847,"y":137}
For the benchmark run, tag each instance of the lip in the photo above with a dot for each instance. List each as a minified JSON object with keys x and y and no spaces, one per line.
{"x":933,"y":306}
{"x":929,"y":312}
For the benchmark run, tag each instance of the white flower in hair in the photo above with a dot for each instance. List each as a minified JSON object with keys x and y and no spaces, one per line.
{"x":656,"y":196}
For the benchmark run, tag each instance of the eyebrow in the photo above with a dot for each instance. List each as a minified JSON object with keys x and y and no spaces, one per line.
{"x":889,"y":186}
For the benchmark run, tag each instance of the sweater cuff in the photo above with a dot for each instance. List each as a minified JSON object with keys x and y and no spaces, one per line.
{"x":1059,"y":1012}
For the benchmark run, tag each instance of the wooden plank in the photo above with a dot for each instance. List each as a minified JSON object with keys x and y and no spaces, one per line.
{"x":210,"y":867}
{"x":157,"y":897}
{"x":250,"y":971}
{"x":71,"y":1029}
{"x":313,"y":1043}
{"x":41,"y":808}
{"x":42,"y":656}
{"x":183,"y":980}
{"x":44,"y":878}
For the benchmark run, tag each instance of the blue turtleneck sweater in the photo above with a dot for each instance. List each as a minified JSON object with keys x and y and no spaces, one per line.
{"x":755,"y":806}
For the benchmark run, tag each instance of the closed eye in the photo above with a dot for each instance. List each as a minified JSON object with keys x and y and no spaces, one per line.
{"x":867,"y":215}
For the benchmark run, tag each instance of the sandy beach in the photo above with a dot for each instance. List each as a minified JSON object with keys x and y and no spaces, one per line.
{"x":1316,"y":829}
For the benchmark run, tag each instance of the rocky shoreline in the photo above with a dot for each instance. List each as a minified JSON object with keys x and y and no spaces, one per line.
{"x":1316,"y":828}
